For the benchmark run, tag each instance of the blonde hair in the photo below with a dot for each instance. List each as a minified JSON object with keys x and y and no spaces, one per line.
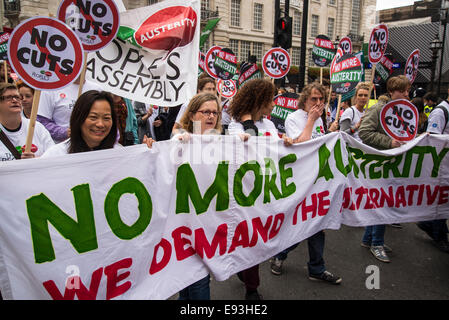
{"x":194,"y":105}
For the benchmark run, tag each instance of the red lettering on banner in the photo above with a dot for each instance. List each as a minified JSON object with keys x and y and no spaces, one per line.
{"x":259,"y":228}
{"x":202,"y":245}
{"x":180,"y":243}
{"x":318,"y":205}
{"x":80,"y":289}
{"x":241,"y":237}
{"x":74,"y":285}
{"x":114,"y":278}
{"x":431,"y":196}
{"x":165,"y":245}
{"x":443,"y":195}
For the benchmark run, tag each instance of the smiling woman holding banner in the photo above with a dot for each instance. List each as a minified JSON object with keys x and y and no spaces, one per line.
{"x":93,"y":126}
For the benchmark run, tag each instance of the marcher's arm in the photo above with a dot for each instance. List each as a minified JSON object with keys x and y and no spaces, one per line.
{"x":58,"y":133}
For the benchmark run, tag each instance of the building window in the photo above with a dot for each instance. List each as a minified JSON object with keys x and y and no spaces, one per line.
{"x":310,"y":62}
{"x":258,"y":16}
{"x":296,"y":23}
{"x":245,"y":47}
{"x":330,"y":27}
{"x":355,"y":18}
{"x":332,"y":2}
{"x":235,"y":13}
{"x":296,"y":56}
{"x":257,"y":50}
{"x":234,"y":46}
{"x":150,"y":2}
{"x":314,"y":27}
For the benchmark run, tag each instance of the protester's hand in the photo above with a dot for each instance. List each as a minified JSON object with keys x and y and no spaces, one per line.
{"x":316,"y":111}
{"x":150,"y":111}
{"x":333,"y":127}
{"x":157,"y":123}
{"x":287,"y":141}
{"x":395,"y":143}
{"x":27,"y":155}
{"x":148,"y":141}
{"x":244,"y":136}
{"x":185,"y":137}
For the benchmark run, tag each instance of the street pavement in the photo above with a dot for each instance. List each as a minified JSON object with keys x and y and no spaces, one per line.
{"x":418,"y":270}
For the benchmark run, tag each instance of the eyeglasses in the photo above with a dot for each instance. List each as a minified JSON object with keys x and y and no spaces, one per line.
{"x":208,"y":113}
{"x":10,"y":98}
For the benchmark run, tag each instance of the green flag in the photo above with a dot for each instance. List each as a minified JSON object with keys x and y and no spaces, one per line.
{"x":207,"y":30}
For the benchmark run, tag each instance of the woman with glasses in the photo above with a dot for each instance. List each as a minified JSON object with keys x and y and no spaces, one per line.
{"x":202,"y":116}
{"x":14,"y":128}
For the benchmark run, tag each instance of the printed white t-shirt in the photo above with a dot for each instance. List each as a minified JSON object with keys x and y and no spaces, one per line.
{"x":63,"y":148}
{"x":265,"y":127}
{"x":437,"y":121}
{"x":57,"y":105}
{"x":354,"y":115}
{"x":296,"y":122}
{"x":42,"y":140}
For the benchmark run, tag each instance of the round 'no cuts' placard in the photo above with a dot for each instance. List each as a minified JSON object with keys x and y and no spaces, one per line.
{"x":227,"y":88}
{"x":45,"y":53}
{"x":399,"y":119}
{"x":210,"y":59}
{"x":276,"y":63}
{"x":411,"y":66}
{"x":377,"y":43}
{"x":96,"y":22}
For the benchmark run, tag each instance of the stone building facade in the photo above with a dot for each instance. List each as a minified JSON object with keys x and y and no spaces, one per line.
{"x":247,"y":25}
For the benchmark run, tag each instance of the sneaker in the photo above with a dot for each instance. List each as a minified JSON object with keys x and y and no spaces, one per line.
{"x":276,"y":266}
{"x":396,"y":225}
{"x":379,"y":253}
{"x":368,"y":245}
{"x":325,"y":276}
{"x":443,"y":245}
{"x":253,"y":295}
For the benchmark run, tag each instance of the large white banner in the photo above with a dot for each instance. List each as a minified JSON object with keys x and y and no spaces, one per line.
{"x":158,"y":61}
{"x":135,"y":223}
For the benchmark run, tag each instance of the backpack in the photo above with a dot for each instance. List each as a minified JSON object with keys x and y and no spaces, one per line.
{"x":446,"y":116}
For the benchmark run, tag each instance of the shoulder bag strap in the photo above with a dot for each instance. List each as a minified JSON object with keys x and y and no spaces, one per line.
{"x":9,"y":145}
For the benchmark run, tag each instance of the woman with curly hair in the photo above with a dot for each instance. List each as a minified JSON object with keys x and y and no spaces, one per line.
{"x":249,"y":109}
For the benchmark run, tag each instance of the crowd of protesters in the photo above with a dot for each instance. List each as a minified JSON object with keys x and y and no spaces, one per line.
{"x":99,"y":120}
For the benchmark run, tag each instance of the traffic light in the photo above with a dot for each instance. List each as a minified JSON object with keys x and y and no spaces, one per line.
{"x":283,"y":32}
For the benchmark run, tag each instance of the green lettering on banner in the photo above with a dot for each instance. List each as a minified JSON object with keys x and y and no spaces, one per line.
{"x":324,"y":170}
{"x":240,"y":197}
{"x":111,"y":210}
{"x":270,"y":182}
{"x":437,"y":160}
{"x":287,"y":189}
{"x":82,"y":235}
{"x":187,"y":187}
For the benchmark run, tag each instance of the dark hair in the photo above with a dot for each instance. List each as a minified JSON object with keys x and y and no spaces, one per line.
{"x":432,"y":96}
{"x":252,"y":97}
{"x":79,"y":114}
{"x":21,"y":84}
{"x":203,"y":81}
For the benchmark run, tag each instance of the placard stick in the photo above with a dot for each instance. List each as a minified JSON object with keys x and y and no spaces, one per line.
{"x":33,"y":116}
{"x":321,"y":75}
{"x":337,"y":116}
{"x":5,"y":68}
{"x":372,"y":84}
{"x":83,"y":75}
{"x":328,"y":100}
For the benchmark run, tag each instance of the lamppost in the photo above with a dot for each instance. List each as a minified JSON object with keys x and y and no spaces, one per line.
{"x":444,"y":17}
{"x":435,"y":46}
